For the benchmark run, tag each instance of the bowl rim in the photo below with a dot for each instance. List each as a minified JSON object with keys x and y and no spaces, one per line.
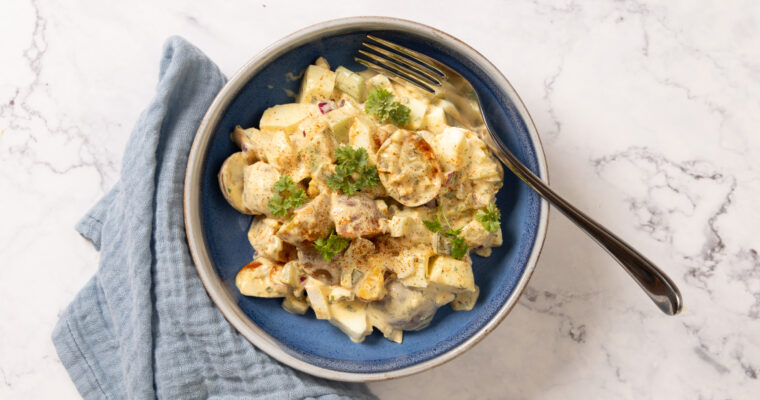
{"x":191,"y":197}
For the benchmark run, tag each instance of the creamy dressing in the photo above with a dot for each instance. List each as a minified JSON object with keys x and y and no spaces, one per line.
{"x":385,"y":268}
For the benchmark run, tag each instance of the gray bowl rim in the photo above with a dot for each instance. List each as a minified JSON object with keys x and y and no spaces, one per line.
{"x":191,"y":202}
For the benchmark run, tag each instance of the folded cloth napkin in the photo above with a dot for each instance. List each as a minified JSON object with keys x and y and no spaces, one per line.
{"x":144,"y":326}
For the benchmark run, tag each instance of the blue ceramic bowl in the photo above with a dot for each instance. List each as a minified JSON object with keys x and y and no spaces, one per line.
{"x":217,"y":233}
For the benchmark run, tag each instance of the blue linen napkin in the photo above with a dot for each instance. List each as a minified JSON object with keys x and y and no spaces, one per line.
{"x":143,"y":327}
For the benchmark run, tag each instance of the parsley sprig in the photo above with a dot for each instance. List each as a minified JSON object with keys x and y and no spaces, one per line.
{"x":490,"y":218}
{"x":380,"y":104}
{"x":353,"y":172}
{"x":458,"y":246}
{"x":331,"y":245}
{"x":287,"y":196}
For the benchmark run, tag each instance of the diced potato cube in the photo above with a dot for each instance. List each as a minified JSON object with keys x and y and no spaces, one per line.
{"x":318,"y":84}
{"x":257,"y":187}
{"x":316,"y":293}
{"x":262,"y":237}
{"x":351,"y":318}
{"x":417,"y":108}
{"x":255,"y":279}
{"x":464,"y":301}
{"x":451,"y":148}
{"x":350,"y":83}
{"x":416,"y":102}
{"x":475,"y":235}
{"x":452,"y":274}
{"x":417,"y":278}
{"x":411,"y":260}
{"x":372,"y":286}
{"x":286,"y":117}
{"x":317,"y":151}
{"x":400,"y":225}
{"x":309,"y":223}
{"x":360,"y":135}
{"x":379,"y":81}
{"x":295,"y":305}
{"x":277,"y":149}
{"x":435,"y":120}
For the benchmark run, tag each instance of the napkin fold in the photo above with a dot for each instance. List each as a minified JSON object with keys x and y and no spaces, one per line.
{"x":144,"y":327}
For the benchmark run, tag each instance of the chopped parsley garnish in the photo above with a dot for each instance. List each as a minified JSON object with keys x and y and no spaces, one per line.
{"x":287,"y":196}
{"x":331,"y":245}
{"x":458,"y":246}
{"x":490,"y":218}
{"x":353,"y":172}
{"x":380,"y":104}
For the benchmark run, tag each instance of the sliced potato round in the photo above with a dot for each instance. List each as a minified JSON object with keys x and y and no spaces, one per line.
{"x":409,"y":169}
{"x":231,"y":180}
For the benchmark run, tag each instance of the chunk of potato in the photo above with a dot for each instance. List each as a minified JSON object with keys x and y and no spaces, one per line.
{"x":286,"y":117}
{"x":318,"y":84}
{"x":435,"y":120}
{"x":316,"y":292}
{"x":379,"y":81}
{"x":257,"y":187}
{"x":451,"y":149}
{"x":256,"y":279}
{"x":263,"y":238}
{"x":452,"y":274}
{"x":309,"y":223}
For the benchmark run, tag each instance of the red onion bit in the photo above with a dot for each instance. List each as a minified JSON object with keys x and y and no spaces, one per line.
{"x":326,"y":106}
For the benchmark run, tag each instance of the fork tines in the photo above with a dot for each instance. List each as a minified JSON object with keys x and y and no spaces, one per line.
{"x":401,"y":64}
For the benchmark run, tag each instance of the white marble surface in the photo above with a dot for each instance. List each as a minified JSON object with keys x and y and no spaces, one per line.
{"x":649,"y":113}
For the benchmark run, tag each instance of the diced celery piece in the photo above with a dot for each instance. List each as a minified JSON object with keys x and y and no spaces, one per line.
{"x":350,"y":83}
{"x":340,"y":121}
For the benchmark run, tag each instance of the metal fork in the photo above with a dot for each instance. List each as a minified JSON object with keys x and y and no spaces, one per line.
{"x":462,"y":103}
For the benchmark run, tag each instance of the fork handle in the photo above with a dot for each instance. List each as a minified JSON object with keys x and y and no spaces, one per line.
{"x":655,"y":283}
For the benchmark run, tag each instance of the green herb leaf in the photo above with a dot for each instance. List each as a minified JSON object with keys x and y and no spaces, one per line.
{"x":353,"y":172}
{"x":287,"y":196}
{"x":331,"y":245}
{"x":433,"y":226}
{"x":490,"y":218}
{"x":380,"y":104}
{"x":458,"y":246}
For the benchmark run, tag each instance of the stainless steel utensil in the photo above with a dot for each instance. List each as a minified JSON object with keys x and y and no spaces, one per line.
{"x":461,"y":102}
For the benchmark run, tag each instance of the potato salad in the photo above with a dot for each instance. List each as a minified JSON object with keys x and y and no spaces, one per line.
{"x":368,"y":202}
